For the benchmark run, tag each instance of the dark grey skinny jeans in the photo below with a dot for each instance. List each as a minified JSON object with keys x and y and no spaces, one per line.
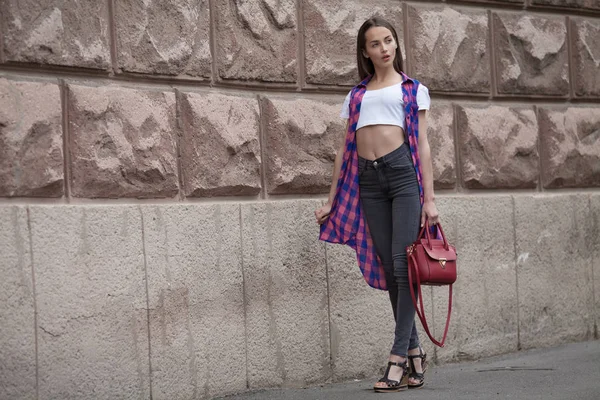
{"x":389,"y":193}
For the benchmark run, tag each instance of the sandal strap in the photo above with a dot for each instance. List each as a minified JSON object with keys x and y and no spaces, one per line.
{"x":390,"y":382}
{"x":412,"y":372}
{"x":417,"y":375}
{"x":402,"y":365}
{"x":387,"y":372}
{"x":421,"y":355}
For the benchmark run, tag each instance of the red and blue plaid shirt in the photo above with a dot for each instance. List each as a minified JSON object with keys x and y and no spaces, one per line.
{"x":346,"y":223}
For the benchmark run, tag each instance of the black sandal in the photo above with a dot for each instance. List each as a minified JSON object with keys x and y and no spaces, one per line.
{"x":419,"y":376}
{"x":392,"y":385}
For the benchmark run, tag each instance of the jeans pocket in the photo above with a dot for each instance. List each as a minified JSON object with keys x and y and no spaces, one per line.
{"x":362,"y":171}
{"x":400,"y":162}
{"x":362,"y":166}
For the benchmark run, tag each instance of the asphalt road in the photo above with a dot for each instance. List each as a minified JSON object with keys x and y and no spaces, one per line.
{"x":569,"y":372}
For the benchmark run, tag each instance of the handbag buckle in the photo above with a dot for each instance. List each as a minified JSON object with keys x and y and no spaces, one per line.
{"x":443,"y":263}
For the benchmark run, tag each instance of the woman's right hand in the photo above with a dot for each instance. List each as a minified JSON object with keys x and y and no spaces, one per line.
{"x":322,"y":213}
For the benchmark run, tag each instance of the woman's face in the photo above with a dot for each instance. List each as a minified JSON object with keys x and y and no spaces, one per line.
{"x":380,"y":46}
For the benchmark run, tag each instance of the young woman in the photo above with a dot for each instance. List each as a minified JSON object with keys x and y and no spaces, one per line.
{"x":382,"y":187}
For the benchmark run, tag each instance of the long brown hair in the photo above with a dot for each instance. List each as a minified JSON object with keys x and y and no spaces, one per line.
{"x":365,"y":65}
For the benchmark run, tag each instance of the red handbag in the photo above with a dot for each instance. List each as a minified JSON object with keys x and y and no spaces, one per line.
{"x":431,"y":261}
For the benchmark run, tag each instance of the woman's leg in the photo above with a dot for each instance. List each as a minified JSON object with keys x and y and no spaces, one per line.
{"x":377,"y":208}
{"x":406,"y":216}
{"x":390,"y":200}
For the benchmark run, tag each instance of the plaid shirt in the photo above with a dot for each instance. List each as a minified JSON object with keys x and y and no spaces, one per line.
{"x":346,"y":223}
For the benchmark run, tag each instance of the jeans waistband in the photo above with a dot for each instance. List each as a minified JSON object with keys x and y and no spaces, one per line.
{"x":401,"y":151}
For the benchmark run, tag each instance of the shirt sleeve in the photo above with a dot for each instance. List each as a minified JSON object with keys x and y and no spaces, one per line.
{"x":346,"y":107}
{"x":423,"y":100}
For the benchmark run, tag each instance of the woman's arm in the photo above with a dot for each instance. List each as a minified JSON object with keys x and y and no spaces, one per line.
{"x":323,"y":212}
{"x":429,"y":208}
{"x":337,"y":166}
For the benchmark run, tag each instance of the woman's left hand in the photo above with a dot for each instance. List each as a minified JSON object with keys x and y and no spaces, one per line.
{"x":430,"y":212}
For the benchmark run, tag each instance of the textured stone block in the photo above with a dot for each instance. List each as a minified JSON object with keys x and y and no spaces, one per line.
{"x":484,"y":314}
{"x":220,"y":147}
{"x":578,"y":4}
{"x":498,"y":146}
{"x":303,"y":136}
{"x":56,"y":32}
{"x":531,"y":54}
{"x":450,"y":48}
{"x":490,"y":2}
{"x":330,"y":36}
{"x":91,"y":300}
{"x":586,"y":51}
{"x":570,"y":146}
{"x":31,"y":142}
{"x":196,"y":300}
{"x":440,"y":133}
{"x":554,"y":269}
{"x":256,"y":40}
{"x":285,"y":282}
{"x":362,"y":321}
{"x":594,"y":241}
{"x":17,"y":336}
{"x":122,"y":142}
{"x":168,"y":38}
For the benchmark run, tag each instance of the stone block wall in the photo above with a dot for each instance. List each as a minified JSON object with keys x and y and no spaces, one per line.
{"x":160,"y":162}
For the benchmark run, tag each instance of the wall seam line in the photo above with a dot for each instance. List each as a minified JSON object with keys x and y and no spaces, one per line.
{"x":65,"y":101}
{"x":457,"y":146}
{"x":2,"y":56}
{"x":86,"y":77}
{"x":331,"y":360}
{"x":212,"y":32}
{"x":407,"y":38}
{"x":492,"y":47}
{"x":516,"y":262}
{"x":570,"y":57}
{"x":112,"y":24}
{"x":179,"y":99}
{"x":244,"y":294}
{"x":594,"y":260}
{"x":147,"y":299}
{"x":514,"y":7}
{"x":435,"y":350}
{"x":262,"y":135}
{"x":35,"y":306}
{"x":300,"y":53}
{"x":536,"y":112}
{"x":448,"y":193}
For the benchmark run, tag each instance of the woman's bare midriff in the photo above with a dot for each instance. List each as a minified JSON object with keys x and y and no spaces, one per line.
{"x":375,"y":141}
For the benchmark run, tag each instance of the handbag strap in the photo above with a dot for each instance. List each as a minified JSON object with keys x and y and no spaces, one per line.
{"x":421,"y":312}
{"x":426,"y":232}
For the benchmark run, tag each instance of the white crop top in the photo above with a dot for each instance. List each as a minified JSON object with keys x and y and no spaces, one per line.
{"x":385,"y":106}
